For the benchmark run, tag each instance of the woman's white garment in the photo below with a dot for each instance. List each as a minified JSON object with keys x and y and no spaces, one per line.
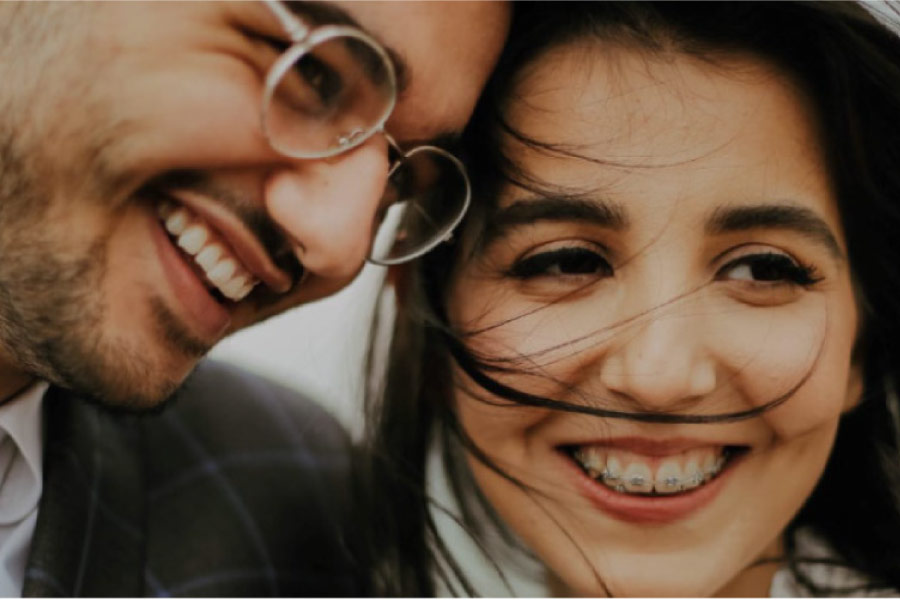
{"x":21,"y":482}
{"x":525,"y":576}
{"x":482,"y":569}
{"x":841,"y":579}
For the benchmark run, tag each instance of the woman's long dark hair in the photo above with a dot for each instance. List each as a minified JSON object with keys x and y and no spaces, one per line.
{"x":848,"y":64}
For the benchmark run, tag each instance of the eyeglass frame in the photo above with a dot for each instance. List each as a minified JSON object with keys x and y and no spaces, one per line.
{"x":303,"y":37}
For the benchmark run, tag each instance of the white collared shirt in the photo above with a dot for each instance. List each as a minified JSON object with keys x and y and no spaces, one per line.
{"x":21,"y":482}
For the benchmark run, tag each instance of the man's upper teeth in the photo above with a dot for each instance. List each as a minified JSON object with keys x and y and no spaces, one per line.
{"x":194,"y":236}
{"x":209,"y":256}
{"x":627,"y":471}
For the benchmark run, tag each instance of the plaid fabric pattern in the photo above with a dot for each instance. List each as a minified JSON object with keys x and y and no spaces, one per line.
{"x":239,"y":488}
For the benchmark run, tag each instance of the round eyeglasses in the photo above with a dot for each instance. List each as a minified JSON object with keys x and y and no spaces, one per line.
{"x":329,"y":92}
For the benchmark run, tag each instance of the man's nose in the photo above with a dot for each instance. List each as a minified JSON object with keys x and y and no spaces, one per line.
{"x":660,"y":363}
{"x":328,"y":208}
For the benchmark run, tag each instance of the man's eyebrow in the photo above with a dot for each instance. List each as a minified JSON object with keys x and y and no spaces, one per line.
{"x":323,"y":13}
{"x":774,"y":216}
{"x":558,"y":208}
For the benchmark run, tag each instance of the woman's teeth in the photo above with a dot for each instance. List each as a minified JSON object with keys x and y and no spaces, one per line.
{"x":222,"y":269}
{"x":632,"y":473}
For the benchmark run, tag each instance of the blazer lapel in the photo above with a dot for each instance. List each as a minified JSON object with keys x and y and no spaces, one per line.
{"x":89,"y":537}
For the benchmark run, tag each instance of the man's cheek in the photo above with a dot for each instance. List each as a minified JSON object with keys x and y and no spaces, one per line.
{"x":210,"y":123}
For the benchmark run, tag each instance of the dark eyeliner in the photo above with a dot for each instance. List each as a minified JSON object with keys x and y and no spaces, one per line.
{"x":578,"y":261}
{"x":784,"y":267}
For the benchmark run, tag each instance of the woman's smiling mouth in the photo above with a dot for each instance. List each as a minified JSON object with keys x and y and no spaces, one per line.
{"x":644,"y":481}
{"x":630,"y":472}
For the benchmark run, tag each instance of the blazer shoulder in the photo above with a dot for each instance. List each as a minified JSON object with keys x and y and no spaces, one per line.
{"x":234,"y":404}
{"x":249,"y":491}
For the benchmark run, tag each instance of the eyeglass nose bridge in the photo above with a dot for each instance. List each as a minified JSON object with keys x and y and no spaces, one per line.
{"x":398,"y":151}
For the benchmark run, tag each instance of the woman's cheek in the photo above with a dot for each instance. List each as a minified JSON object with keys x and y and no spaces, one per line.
{"x":796,"y":356}
{"x":497,"y":426}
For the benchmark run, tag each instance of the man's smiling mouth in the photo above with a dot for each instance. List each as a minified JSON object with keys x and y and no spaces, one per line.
{"x":218,"y":265}
{"x":225,"y":255}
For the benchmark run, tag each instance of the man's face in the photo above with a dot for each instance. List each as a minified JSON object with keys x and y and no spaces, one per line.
{"x":118,"y":116}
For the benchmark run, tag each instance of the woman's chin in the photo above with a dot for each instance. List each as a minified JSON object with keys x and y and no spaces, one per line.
{"x":638,"y":583}
{"x":642,"y":589}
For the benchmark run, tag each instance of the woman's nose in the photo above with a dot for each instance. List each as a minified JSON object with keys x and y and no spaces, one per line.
{"x":660,"y":363}
{"x":328,"y":208}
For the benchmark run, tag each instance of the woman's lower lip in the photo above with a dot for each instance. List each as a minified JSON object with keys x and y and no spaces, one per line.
{"x":648,"y":509}
{"x":207,"y":317}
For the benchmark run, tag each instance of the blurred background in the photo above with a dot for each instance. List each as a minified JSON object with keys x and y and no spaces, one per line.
{"x":318,"y":349}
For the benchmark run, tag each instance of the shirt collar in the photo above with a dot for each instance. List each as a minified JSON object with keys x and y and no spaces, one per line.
{"x":21,"y":422}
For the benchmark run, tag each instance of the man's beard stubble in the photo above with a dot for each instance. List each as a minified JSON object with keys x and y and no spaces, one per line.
{"x":52,"y":311}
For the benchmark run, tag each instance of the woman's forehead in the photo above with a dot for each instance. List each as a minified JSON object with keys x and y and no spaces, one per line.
{"x":664,"y":128}
{"x":641,"y":108}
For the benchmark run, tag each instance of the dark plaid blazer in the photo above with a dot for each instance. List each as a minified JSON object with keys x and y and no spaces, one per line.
{"x":238,"y":488}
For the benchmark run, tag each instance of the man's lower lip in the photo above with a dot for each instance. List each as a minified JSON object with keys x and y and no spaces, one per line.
{"x":647,"y":509}
{"x":207,"y":316}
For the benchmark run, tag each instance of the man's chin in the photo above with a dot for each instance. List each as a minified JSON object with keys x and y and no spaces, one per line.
{"x":136,"y":398}
{"x":128,"y":378}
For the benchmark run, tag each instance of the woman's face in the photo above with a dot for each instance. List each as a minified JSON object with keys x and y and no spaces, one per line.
{"x":689,"y":261}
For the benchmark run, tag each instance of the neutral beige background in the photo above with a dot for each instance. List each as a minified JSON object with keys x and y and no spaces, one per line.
{"x":318,"y":348}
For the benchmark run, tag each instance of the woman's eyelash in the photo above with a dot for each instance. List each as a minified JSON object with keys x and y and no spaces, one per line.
{"x":572,"y":261}
{"x":771,"y":267}
{"x":766,"y":267}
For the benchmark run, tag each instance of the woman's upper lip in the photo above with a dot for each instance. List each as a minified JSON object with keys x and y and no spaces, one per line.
{"x":655,"y":446}
{"x":245,"y":245}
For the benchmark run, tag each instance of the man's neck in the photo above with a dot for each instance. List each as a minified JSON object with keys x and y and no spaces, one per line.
{"x":12,"y":381}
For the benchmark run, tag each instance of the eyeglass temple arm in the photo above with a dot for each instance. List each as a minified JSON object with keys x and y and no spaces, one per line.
{"x":292,"y":25}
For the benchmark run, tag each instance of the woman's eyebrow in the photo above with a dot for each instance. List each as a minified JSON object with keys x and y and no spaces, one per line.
{"x":525,"y":211}
{"x":774,"y":216}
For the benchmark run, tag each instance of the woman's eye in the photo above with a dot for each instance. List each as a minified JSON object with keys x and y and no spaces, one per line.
{"x":769,"y":268}
{"x":560,"y":262}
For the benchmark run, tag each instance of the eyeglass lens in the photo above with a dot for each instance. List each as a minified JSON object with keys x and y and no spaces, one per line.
{"x":331,"y":92}
{"x":337,"y":90}
{"x":428,"y":194}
